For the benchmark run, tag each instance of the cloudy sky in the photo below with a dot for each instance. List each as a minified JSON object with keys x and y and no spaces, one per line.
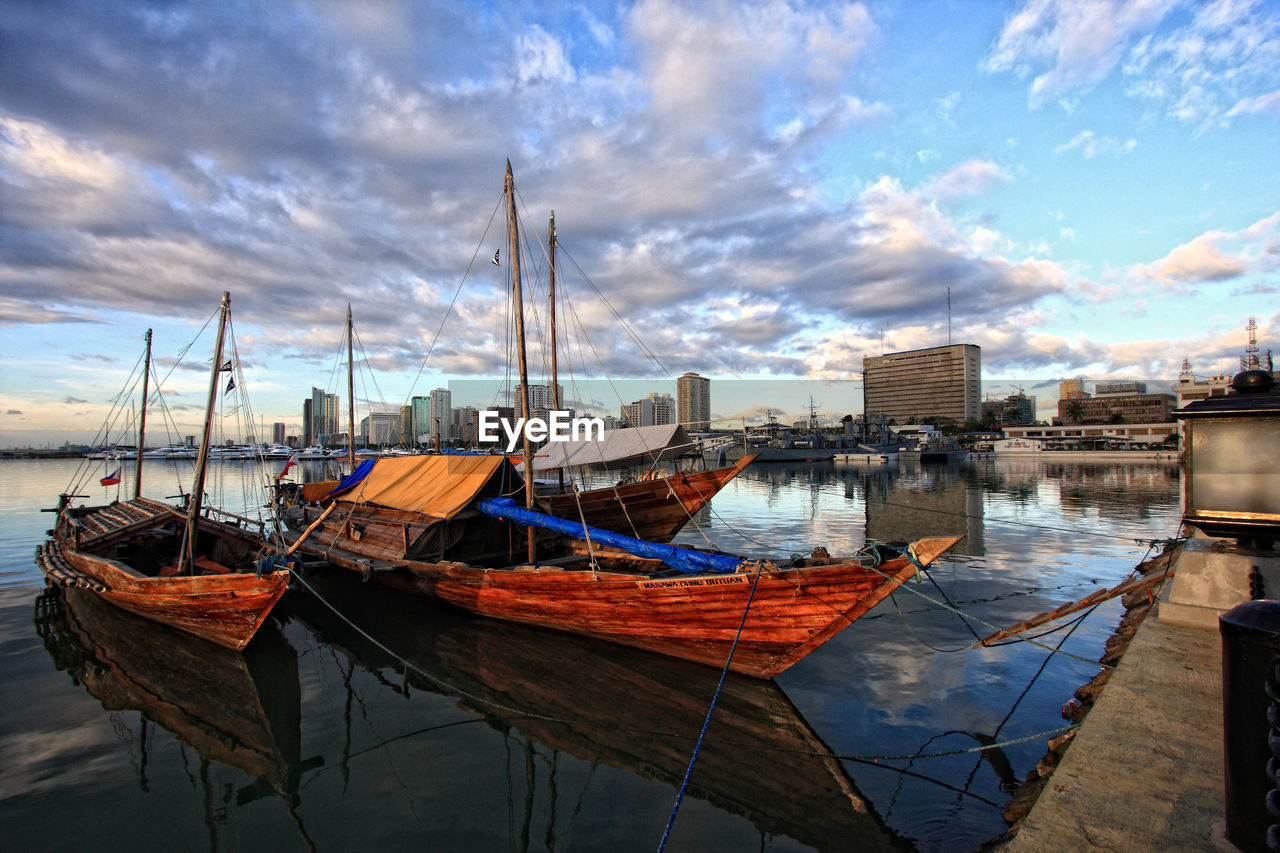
{"x":764,"y":191}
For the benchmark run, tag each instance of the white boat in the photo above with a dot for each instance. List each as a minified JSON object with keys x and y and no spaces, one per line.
{"x":173,"y":451}
{"x":864,"y":458}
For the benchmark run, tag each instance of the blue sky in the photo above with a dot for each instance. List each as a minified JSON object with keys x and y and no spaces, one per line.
{"x":764,"y":191}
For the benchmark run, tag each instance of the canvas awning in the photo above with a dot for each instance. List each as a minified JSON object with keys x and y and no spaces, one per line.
{"x":618,"y":449}
{"x":439,"y":486}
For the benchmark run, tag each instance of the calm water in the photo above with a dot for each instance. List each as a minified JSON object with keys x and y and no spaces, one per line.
{"x":423,"y":728}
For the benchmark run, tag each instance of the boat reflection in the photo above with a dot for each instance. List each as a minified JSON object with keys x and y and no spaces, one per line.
{"x":239,"y":709}
{"x":607,"y":704}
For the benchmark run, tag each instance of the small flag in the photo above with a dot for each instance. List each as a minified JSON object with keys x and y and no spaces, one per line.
{"x":496,"y":262}
{"x":111,"y":479}
{"x":225,"y":367}
{"x":293,"y":460}
{"x":231,"y":384}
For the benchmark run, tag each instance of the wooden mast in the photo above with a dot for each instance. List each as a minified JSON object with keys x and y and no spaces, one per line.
{"x":142,"y":421}
{"x":351,"y":397}
{"x":513,"y":226}
{"x":197,"y":490}
{"x":555,"y":373}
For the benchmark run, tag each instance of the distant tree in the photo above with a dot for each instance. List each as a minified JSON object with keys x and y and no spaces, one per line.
{"x":1074,"y":411}
{"x":1116,"y":418}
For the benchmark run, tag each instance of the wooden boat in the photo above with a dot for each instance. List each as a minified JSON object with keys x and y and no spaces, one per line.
{"x":608,"y":706}
{"x":445,"y":526}
{"x":215,"y":579}
{"x":655,"y":509}
{"x":426,"y":525}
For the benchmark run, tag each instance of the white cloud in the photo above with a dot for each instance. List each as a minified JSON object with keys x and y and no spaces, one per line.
{"x":1259,"y":104}
{"x":1090,"y":145}
{"x":1204,"y":258}
{"x":969,"y":179}
{"x":1080,"y":41}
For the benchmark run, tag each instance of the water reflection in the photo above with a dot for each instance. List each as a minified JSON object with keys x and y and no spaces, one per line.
{"x":468,"y":745}
{"x":607,"y":705}
{"x":239,"y":709}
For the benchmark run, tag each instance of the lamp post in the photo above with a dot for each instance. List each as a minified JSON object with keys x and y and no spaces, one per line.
{"x":1231,"y":489}
{"x":1231,"y":486}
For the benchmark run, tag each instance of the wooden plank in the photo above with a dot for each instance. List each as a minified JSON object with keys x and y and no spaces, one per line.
{"x":1140,"y":582}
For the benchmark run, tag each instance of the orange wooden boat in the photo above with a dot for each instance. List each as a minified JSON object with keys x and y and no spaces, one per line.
{"x":654,"y":509}
{"x":422,"y":525}
{"x":217,"y":603}
{"x":179,"y":567}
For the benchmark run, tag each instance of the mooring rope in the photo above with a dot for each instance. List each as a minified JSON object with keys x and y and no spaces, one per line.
{"x":684,"y":783}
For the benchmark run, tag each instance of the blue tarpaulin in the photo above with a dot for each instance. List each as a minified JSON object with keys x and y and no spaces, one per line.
{"x":361,"y":471}
{"x":682,"y":559}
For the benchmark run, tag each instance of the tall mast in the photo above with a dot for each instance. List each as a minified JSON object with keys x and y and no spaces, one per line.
{"x":551,"y":247}
{"x":513,"y":226}
{"x":197,"y":490}
{"x":555,"y":373}
{"x":351,"y":397}
{"x":142,"y":421}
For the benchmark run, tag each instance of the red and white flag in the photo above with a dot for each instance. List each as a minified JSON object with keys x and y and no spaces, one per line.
{"x":293,"y":460}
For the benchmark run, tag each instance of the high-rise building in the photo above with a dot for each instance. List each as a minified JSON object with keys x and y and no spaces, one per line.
{"x":324,"y":415}
{"x":277,"y":432}
{"x":440,"y":414}
{"x":540,"y":397}
{"x":308,"y":423}
{"x":420,"y":431}
{"x":693,"y":402}
{"x":1071,"y":389}
{"x":380,"y":429}
{"x":940,"y":382}
{"x":406,"y":425}
{"x":653,"y":410}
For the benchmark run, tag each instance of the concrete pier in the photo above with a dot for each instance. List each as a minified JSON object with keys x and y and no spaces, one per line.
{"x":1145,"y":771}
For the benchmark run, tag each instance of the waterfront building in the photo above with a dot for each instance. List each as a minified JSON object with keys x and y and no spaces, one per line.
{"x":653,"y":410}
{"x":439,"y":415}
{"x":277,"y":432}
{"x":324,"y":415}
{"x":380,"y":429}
{"x":939,"y":382}
{"x":465,"y":420}
{"x":420,"y":429}
{"x":308,"y":424}
{"x":1119,"y":389}
{"x":693,"y":402}
{"x":1071,"y":389}
{"x":1014,"y":409}
{"x":1133,"y":408}
{"x":1075,"y":434}
{"x":540,"y":397}
{"x":406,"y":425}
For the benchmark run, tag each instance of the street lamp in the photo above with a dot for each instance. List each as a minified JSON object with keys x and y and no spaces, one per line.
{"x":1231,"y":486}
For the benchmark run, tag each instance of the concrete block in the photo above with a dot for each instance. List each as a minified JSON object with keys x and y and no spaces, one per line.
{"x":1212,"y":576}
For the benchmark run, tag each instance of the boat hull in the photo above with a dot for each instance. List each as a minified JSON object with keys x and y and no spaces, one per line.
{"x":218,"y":605}
{"x":654,"y":510}
{"x":759,"y":621}
{"x":223,"y":609}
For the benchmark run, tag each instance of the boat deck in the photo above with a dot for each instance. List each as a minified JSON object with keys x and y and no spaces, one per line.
{"x":121,"y":519}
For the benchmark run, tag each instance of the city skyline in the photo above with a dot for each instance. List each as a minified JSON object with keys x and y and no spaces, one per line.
{"x":765,"y":192}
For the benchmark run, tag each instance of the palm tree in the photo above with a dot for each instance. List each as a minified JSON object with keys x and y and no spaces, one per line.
{"x":1074,"y":411}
